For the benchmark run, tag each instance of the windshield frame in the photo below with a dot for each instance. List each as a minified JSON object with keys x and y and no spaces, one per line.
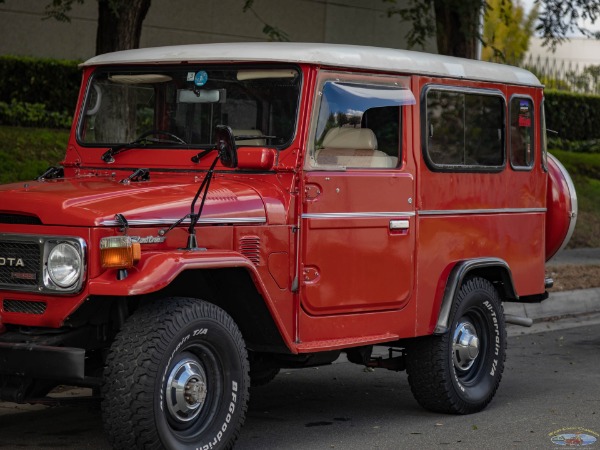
{"x":141,"y":69}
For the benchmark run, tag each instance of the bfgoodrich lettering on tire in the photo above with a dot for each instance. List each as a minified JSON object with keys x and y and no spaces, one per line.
{"x":176,"y":378}
{"x":459,"y":372}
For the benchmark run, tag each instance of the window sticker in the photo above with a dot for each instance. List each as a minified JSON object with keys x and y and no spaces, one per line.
{"x":201,"y":78}
{"x":190,"y":76}
{"x":524,"y":116}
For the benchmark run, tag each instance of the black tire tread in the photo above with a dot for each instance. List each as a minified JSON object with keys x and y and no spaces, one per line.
{"x":429,"y":379}
{"x":129,"y":386}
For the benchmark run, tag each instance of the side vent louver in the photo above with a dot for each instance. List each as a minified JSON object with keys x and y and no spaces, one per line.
{"x":249,"y":246}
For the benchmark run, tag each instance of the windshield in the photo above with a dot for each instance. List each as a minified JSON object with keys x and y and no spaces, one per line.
{"x":180,"y":107}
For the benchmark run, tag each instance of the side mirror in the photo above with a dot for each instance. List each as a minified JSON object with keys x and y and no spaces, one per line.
{"x":225,"y":145}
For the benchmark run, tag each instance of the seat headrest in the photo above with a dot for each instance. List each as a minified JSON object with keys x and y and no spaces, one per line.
{"x":342,"y":137}
{"x":249,"y":141}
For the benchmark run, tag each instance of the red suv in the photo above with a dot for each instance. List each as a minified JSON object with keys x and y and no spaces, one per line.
{"x":226,"y":210}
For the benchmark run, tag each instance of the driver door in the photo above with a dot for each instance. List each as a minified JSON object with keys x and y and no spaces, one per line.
{"x":358,"y":214}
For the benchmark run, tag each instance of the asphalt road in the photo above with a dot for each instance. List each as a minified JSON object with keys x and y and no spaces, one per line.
{"x":550,"y":383}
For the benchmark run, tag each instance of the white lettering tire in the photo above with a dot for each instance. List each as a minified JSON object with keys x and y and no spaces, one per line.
{"x":176,"y":377}
{"x":459,"y":372}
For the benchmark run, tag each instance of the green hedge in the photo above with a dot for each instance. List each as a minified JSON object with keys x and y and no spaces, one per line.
{"x":22,"y":114}
{"x":576,"y":117}
{"x":37,"y":91}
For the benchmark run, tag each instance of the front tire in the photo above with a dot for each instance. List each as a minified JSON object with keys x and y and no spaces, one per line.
{"x":176,"y":377}
{"x":459,"y":372}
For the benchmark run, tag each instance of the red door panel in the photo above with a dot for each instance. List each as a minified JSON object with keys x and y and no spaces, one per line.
{"x":358,"y":241}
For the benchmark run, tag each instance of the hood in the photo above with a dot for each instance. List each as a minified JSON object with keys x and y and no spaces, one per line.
{"x":94,"y":201}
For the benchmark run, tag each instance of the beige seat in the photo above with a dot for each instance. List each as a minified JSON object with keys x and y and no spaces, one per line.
{"x":353,"y":147}
{"x":256,"y":141}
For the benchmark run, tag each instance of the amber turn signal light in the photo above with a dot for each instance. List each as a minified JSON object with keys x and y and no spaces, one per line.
{"x":119,"y":252}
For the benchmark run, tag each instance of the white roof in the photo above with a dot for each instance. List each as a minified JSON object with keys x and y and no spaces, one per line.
{"x":334,"y":55}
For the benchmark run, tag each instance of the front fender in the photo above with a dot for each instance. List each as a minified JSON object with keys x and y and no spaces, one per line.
{"x":157,"y":270}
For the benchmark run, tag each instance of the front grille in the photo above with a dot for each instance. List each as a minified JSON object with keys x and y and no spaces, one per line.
{"x":24,"y":307}
{"x":19,"y":263}
{"x":19,"y":219}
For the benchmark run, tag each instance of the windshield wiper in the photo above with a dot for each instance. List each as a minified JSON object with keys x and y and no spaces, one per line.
{"x":108,"y":155}
{"x":142,"y":141}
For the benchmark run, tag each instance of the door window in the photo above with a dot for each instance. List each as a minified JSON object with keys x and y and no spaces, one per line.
{"x":358,"y":121}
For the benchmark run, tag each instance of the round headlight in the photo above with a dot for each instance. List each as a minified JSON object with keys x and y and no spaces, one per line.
{"x":64,"y":265}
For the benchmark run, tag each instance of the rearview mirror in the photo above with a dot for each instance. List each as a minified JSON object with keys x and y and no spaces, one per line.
{"x":200,"y":96}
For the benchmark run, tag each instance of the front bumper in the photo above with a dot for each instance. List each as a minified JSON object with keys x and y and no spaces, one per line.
{"x":64,"y":364}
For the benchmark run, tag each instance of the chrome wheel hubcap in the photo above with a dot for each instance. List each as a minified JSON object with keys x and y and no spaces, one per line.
{"x":465,"y":346}
{"x":186,"y":389}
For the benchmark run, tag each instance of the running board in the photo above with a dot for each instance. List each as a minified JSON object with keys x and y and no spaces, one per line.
{"x":343,"y":343}
{"x":518,"y":320}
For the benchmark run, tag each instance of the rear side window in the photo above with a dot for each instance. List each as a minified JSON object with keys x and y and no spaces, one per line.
{"x":521,"y":133}
{"x":463,"y":130}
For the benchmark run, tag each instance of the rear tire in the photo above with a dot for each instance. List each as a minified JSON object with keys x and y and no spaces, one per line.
{"x":176,"y":377}
{"x":459,"y":372}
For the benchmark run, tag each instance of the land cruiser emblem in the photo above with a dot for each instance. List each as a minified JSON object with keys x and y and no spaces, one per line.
{"x":148,"y":239}
{"x":11,"y":262}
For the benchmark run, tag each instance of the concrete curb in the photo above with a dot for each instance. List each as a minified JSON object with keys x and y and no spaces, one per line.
{"x":560,"y":304}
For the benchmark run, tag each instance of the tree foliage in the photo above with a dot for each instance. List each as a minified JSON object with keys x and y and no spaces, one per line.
{"x":119,"y":21}
{"x":60,"y":9}
{"x":272,"y":32}
{"x":506,"y":31}
{"x":457,"y":22}
{"x":558,"y":18}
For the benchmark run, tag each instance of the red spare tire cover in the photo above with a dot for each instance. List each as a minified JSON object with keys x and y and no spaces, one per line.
{"x":561,"y":204}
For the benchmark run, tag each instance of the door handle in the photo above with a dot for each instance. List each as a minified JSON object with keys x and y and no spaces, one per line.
{"x":396,"y":225}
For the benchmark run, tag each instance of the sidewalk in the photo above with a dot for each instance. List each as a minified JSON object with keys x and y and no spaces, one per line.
{"x":559,"y":305}
{"x":566,"y":303}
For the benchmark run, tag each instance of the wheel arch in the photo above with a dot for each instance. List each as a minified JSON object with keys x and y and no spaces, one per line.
{"x":225,"y":278}
{"x":495,"y":270}
{"x":234,"y":290}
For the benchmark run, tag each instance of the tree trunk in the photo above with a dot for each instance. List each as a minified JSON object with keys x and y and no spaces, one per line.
{"x":458,"y":23}
{"x":120,"y":24}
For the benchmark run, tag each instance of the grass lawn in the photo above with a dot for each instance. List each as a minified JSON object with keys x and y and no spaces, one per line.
{"x":26,"y":152}
{"x":585,"y":171}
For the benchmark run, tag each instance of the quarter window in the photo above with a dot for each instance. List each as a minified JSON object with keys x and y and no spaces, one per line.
{"x":521,"y":133}
{"x":464,"y":130}
{"x":544,"y":138}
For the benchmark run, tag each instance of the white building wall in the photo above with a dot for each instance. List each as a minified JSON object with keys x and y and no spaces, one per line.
{"x":169,"y":22}
{"x":577,"y":52}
